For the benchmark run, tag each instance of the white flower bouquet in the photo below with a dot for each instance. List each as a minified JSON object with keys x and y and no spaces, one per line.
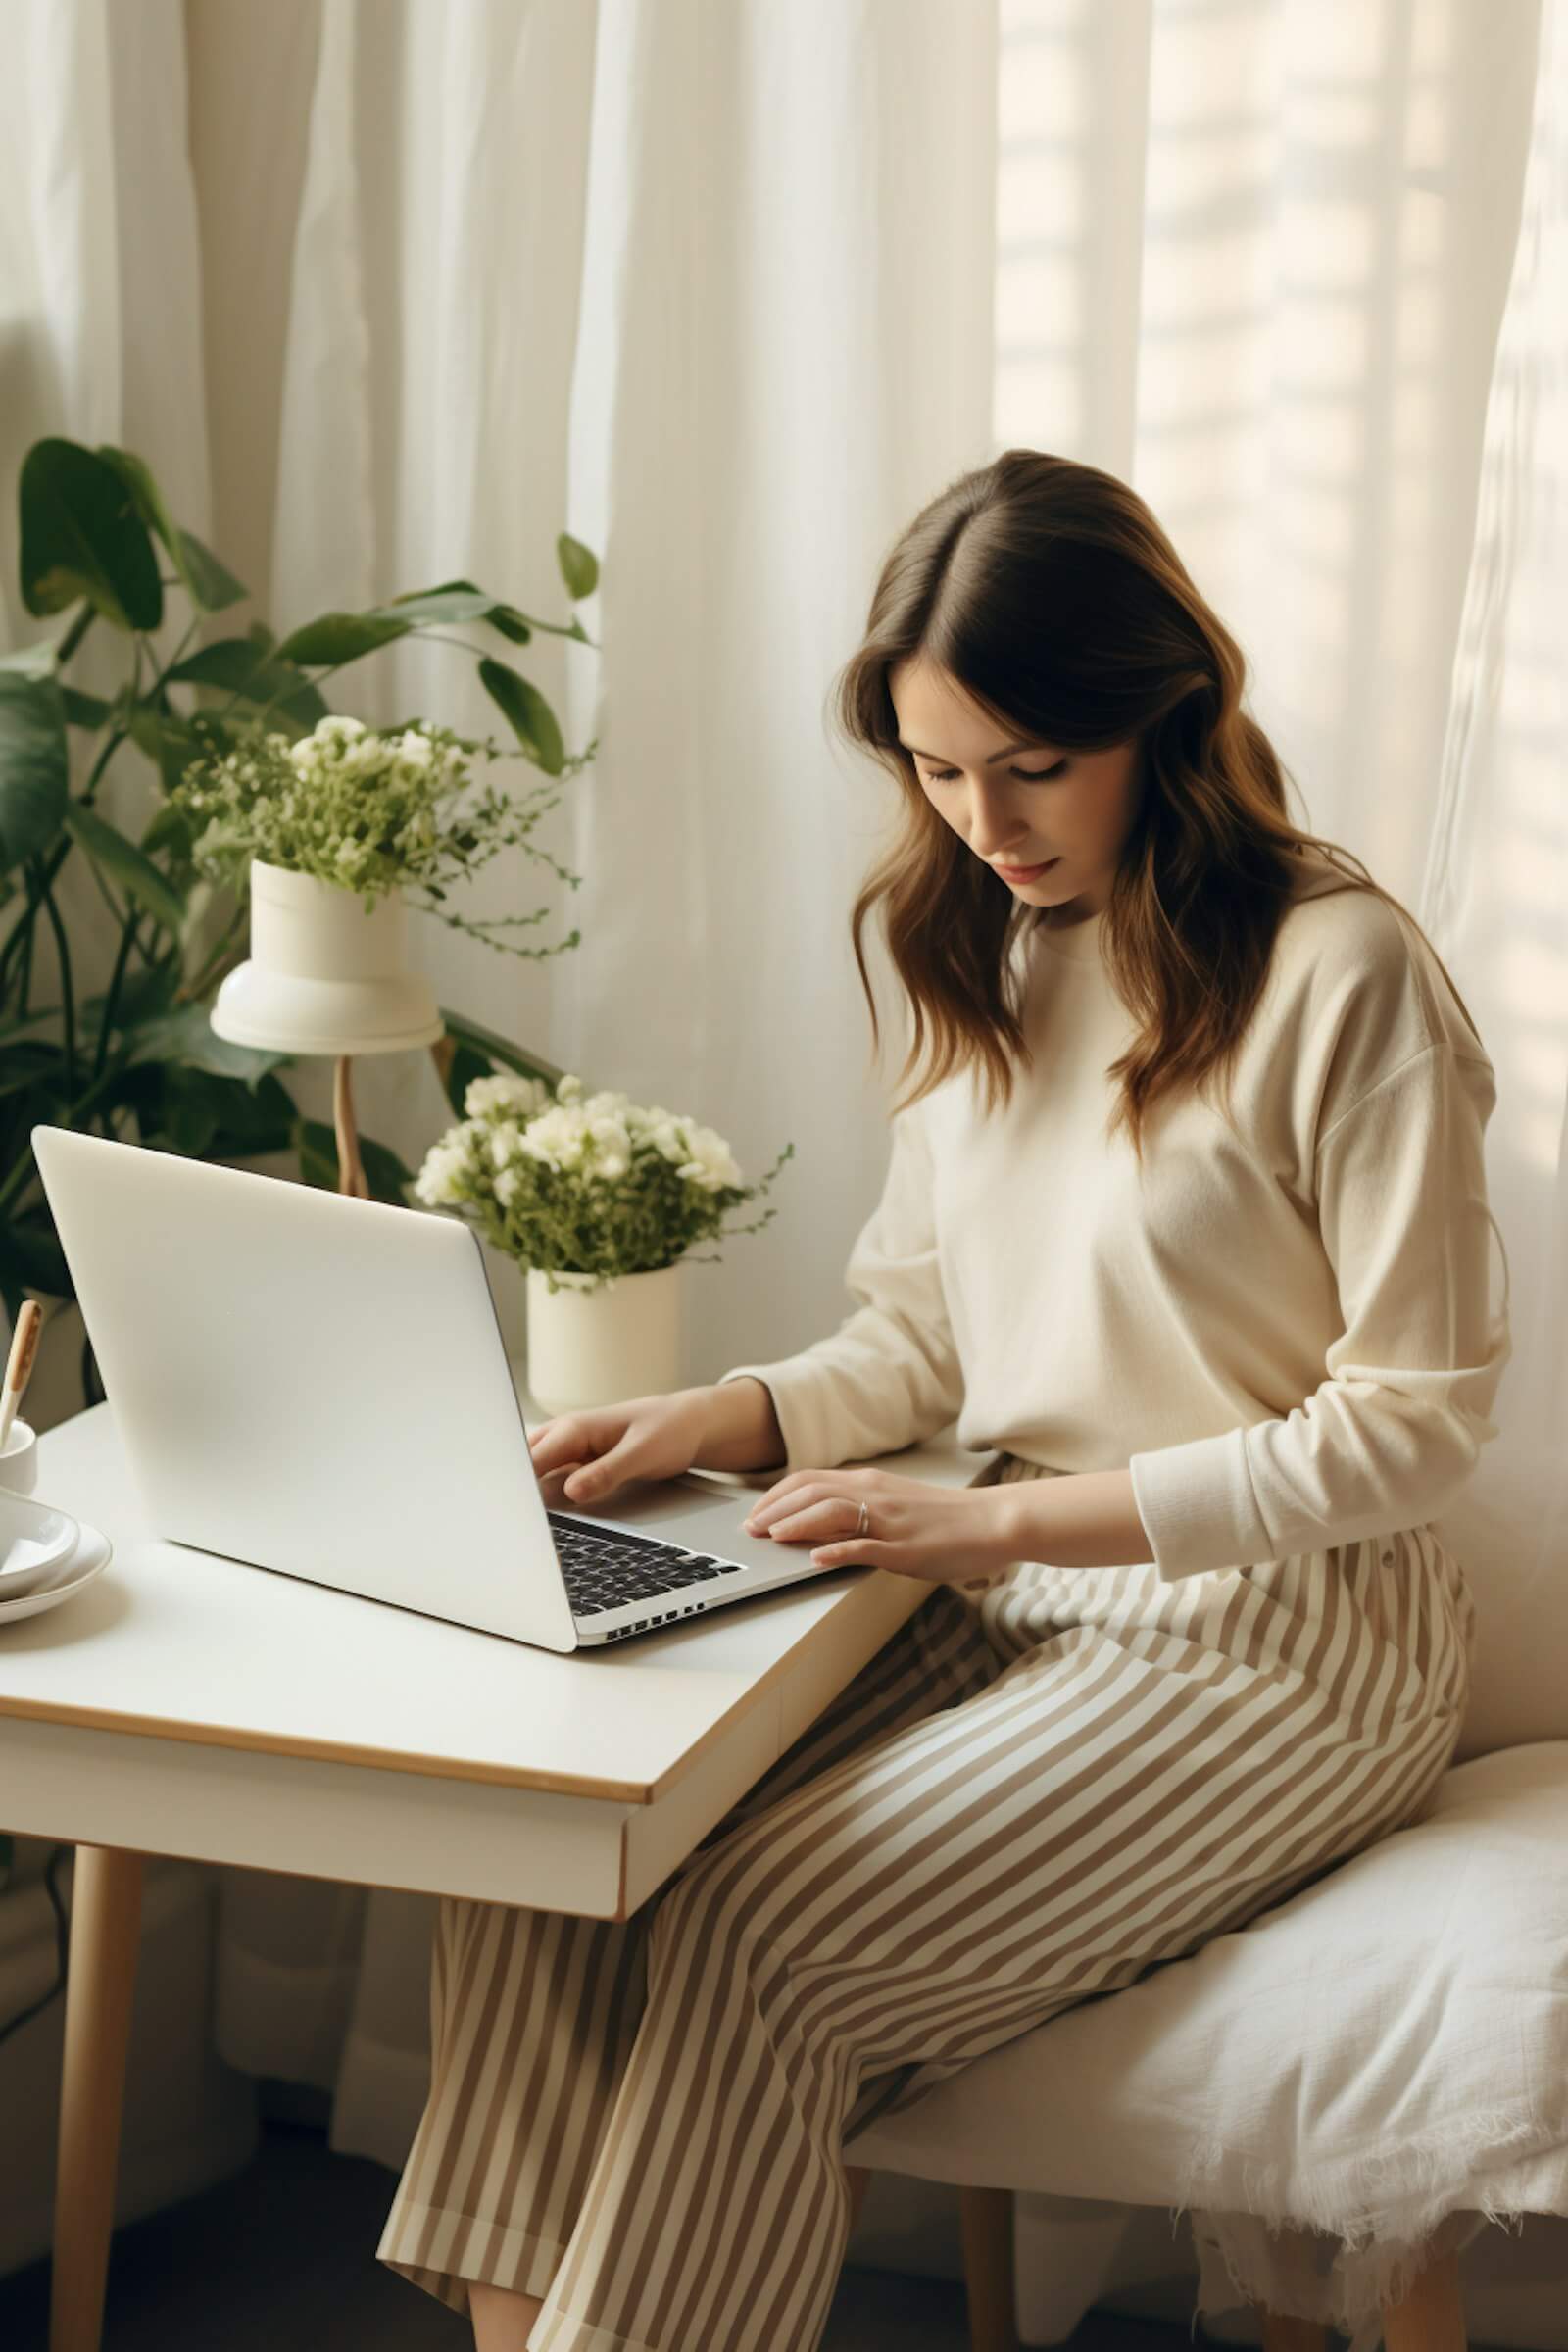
{"x":594,"y":1185}
{"x":372,"y":812}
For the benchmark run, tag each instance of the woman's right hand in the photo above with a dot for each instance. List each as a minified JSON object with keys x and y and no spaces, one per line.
{"x":584,"y":1457}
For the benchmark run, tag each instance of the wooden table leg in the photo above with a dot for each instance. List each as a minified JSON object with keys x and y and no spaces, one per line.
{"x":985,"y":2228}
{"x":1430,"y":2318}
{"x":1282,"y":2333}
{"x":100,"y":1984}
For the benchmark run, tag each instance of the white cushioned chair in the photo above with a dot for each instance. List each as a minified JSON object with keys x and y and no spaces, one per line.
{"x":1359,"y":2080}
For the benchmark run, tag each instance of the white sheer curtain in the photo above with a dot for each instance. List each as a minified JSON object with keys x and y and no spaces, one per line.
{"x":392,"y":290}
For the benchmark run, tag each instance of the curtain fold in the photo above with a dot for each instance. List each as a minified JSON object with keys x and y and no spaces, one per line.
{"x":1495,"y":900}
{"x":388,"y":291}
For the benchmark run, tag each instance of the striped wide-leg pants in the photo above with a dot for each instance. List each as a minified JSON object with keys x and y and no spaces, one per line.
{"x":1032,"y":1794}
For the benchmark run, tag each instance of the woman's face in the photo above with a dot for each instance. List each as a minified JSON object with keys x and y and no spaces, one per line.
{"x":1018,"y":804}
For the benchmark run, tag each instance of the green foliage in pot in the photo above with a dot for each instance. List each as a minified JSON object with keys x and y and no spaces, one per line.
{"x":138,"y":1059}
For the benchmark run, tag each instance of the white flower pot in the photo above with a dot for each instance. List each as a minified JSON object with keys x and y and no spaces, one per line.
{"x":594,"y":1346}
{"x":323,"y":976}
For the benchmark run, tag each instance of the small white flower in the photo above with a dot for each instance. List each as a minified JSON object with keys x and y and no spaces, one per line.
{"x":598,"y":1198}
{"x":504,"y":1093}
{"x":555,"y":1137}
{"x":445,"y":1171}
{"x":711,"y":1164}
{"x":668,"y":1140}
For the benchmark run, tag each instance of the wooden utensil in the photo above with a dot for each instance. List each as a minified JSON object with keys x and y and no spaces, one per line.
{"x":18,"y":1363}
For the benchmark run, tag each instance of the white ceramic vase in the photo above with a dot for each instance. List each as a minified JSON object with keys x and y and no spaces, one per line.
{"x":594,"y":1346}
{"x":323,"y":976}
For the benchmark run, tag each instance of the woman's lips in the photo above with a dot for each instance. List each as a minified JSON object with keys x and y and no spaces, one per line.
{"x":1024,"y":873}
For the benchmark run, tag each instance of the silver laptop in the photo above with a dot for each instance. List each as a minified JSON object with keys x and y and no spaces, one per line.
{"x":317,"y":1385}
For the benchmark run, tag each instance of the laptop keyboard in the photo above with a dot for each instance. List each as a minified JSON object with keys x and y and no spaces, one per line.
{"x":604,"y":1568}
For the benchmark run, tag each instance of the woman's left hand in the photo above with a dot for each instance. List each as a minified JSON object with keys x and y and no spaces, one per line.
{"x":940,"y":1535}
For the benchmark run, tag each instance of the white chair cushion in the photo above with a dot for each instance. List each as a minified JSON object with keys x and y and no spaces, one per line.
{"x":1386,"y":2046}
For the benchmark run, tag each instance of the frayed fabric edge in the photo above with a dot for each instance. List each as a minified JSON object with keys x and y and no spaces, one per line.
{"x":1354,"y":2242}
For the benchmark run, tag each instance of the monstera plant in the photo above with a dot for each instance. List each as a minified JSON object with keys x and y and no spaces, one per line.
{"x":138,"y":1059}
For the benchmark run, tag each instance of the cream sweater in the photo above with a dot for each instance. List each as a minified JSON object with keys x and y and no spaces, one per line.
{"x":1288,"y":1337}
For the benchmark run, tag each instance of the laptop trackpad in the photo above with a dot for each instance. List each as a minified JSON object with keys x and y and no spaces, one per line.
{"x":689,"y":1512}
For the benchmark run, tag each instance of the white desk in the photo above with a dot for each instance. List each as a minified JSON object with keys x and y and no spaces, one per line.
{"x":186,"y":1704}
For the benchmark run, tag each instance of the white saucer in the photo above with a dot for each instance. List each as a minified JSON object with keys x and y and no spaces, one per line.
{"x":62,"y":1581}
{"x":34,"y":1539}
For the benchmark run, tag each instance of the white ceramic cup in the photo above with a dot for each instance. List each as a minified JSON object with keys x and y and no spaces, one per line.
{"x":19,"y":1459}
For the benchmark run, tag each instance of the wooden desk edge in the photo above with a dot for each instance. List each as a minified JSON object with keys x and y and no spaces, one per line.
{"x":556,"y":1783}
{"x":398,"y":1760}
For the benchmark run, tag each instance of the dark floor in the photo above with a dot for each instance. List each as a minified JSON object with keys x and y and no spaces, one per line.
{"x":276,"y":2260}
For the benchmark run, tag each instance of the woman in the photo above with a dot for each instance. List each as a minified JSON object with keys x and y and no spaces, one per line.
{"x":1190,"y":1639}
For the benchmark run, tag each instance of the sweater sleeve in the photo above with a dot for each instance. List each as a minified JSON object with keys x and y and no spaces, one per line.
{"x":889,"y":1376}
{"x":1392,"y":1433}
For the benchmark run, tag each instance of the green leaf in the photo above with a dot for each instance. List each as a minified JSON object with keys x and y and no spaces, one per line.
{"x":417,"y":596}
{"x":497,"y":1049}
{"x":466,"y":1064}
{"x":32,"y":1258}
{"x":385,"y":1173}
{"x":83,"y":534}
{"x":40,"y":659}
{"x":338,"y":637}
{"x":170,"y":831}
{"x":207,"y":583}
{"x":317,"y":1147}
{"x":21,"y":1023}
{"x":579,"y":567}
{"x":187,"y":1035}
{"x":239,"y":665}
{"x":202,"y":1115}
{"x":254,"y":1122}
{"x":170,"y":741}
{"x":88,"y":711}
{"x":531,"y":718}
{"x":33,"y":766}
{"x":460,"y":599}
{"x":188,"y":1112}
{"x":211,"y":584}
{"x":32,"y":1062}
{"x":130,"y":866}
{"x":141,"y":997}
{"x":520,"y":627}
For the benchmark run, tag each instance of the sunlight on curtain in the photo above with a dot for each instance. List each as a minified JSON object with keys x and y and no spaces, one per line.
{"x":1495,"y":902}
{"x":1254,"y":258}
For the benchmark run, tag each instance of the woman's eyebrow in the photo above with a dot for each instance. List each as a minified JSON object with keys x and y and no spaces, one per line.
{"x":1021,"y":745}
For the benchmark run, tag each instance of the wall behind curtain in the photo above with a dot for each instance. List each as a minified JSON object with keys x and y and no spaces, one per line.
{"x":389,"y":290}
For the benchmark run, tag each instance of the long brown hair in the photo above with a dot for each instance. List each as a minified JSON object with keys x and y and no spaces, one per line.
{"x":1049,"y":591}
